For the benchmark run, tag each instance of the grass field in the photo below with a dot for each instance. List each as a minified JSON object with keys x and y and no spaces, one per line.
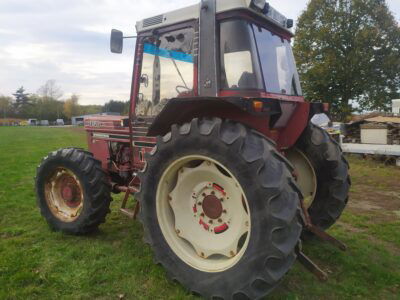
{"x":114,"y":262}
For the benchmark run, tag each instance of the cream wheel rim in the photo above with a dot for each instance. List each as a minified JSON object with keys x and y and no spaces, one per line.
{"x":203,"y":213}
{"x":64,"y":195}
{"x":304,"y":174}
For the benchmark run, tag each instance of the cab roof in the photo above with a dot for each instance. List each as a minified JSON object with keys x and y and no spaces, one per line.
{"x":193,"y":12}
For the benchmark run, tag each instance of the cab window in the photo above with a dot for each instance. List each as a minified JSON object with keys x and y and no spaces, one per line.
{"x":167,"y":70}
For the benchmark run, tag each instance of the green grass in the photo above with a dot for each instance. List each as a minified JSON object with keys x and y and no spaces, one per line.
{"x":38,"y":263}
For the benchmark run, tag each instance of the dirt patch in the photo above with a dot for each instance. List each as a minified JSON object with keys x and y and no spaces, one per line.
{"x":347,"y":227}
{"x":385,"y":204}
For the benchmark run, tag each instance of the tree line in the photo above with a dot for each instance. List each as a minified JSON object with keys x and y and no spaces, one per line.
{"x":47,"y":104}
{"x":348,"y":54}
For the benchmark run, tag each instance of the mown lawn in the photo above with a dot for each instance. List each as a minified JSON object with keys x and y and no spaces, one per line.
{"x":114,"y":262}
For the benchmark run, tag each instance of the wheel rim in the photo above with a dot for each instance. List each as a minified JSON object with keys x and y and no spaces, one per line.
{"x":203,"y":213}
{"x":304,"y":174}
{"x":64,"y":195}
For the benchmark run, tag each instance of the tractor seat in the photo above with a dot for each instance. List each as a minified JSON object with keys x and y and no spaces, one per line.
{"x":247,"y":81}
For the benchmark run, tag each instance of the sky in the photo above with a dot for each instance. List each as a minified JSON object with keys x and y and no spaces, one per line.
{"x":68,"y":41}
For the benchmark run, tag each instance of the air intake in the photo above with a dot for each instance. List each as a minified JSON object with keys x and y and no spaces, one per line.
{"x":153,"y":21}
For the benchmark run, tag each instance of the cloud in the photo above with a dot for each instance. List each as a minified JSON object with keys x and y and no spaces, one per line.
{"x":68,"y":40}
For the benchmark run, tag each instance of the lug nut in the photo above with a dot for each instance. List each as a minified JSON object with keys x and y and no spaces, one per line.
{"x":210,"y":221}
{"x":220,"y":220}
{"x":199,"y":203}
{"x":202,"y":214}
{"x":232,"y":253}
{"x":224,"y":211}
{"x":212,"y":193}
{"x":202,"y":254}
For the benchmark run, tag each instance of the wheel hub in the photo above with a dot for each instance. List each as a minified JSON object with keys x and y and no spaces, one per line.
{"x":67,"y":193}
{"x":64,"y":195}
{"x":212,"y":207}
{"x":208,"y":210}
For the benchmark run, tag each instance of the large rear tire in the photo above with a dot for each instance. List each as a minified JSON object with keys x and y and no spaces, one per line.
{"x":72,"y":190}
{"x":331,"y":171}
{"x":211,"y":172}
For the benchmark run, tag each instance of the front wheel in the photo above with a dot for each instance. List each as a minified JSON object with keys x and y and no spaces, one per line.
{"x":72,"y":190}
{"x":220,"y":209}
{"x":322,"y":174}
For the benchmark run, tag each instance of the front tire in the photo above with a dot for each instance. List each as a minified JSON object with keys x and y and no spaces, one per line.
{"x":332,"y":176}
{"x":72,"y":190}
{"x":266,"y":199}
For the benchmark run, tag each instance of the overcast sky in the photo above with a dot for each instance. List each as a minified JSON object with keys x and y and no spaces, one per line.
{"x":68,"y":40}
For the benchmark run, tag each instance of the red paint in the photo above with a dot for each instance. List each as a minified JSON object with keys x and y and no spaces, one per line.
{"x":220,"y":229}
{"x":259,"y":94}
{"x":218,"y":188}
{"x":291,"y":132}
{"x":206,"y":227}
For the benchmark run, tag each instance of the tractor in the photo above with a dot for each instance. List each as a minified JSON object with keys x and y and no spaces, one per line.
{"x":227,"y":172}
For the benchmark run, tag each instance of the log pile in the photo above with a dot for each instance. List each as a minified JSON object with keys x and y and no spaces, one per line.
{"x":353,"y":133}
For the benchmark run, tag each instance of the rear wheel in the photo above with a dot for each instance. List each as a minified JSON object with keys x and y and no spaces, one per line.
{"x":323,"y":175}
{"x":72,"y":190}
{"x":220,"y":209}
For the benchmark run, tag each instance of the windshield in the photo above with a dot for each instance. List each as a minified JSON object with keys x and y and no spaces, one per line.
{"x":167,"y":71}
{"x":242,"y":46}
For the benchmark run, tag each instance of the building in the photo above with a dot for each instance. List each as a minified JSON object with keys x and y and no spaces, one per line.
{"x":79,"y":120}
{"x":378,"y":130}
{"x":396,"y":106}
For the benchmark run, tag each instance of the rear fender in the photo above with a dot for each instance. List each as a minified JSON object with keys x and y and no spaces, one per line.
{"x":179,"y":111}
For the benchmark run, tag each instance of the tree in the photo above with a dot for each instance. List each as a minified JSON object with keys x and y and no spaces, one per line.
{"x":348,"y":51}
{"x":5,"y":105}
{"x":116,"y":106}
{"x":71,"y":106}
{"x":21,"y":98}
{"x":50,"y":90}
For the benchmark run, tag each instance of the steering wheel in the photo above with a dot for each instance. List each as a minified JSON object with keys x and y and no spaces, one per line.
{"x":181,"y":87}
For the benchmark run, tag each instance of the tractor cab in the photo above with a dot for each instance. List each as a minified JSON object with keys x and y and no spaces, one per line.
{"x":221,"y":49}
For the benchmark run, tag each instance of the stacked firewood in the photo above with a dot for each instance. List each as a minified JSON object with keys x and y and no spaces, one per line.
{"x":352,"y":134}
{"x":393,"y":133}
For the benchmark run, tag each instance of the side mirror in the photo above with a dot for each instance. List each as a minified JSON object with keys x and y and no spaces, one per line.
{"x":117,"y":41}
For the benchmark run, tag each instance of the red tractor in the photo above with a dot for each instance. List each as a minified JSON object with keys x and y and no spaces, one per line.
{"x":227,"y":170}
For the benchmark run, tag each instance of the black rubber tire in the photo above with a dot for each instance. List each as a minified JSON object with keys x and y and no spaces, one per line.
{"x":273,"y":197}
{"x":332,"y":171}
{"x":96,"y":190}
